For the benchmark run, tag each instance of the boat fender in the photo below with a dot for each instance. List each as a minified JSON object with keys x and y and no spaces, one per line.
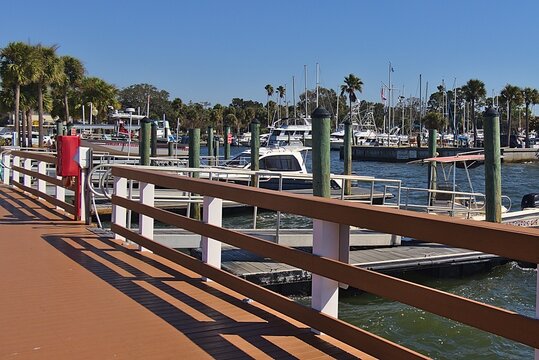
{"x":530,"y":201}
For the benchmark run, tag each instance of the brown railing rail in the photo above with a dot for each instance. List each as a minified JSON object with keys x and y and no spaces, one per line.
{"x":511,"y":242}
{"x":47,"y":158}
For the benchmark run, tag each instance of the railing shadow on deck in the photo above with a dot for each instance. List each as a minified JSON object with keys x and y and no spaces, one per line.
{"x":220,"y":324}
{"x":13,"y":205}
{"x":333,"y":218}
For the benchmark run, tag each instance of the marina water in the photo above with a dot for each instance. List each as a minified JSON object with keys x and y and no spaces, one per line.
{"x":508,"y":286}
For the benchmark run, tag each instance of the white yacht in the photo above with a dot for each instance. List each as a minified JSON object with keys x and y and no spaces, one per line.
{"x":364,"y":130}
{"x":290,"y":131}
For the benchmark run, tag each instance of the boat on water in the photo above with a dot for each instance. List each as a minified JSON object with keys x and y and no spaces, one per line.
{"x":364,"y":131}
{"x":290,"y":131}
{"x":120,"y":136}
{"x":289,"y":160}
{"x":448,"y":199}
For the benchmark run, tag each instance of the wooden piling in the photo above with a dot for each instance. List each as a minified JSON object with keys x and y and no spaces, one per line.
{"x":153,"y":139}
{"x":255,"y":146}
{"x":433,"y":134}
{"x":144,"y":142}
{"x":321,"y":152}
{"x":209,"y":145}
{"x":59,"y":128}
{"x":194,"y":162}
{"x":227,"y":144}
{"x":347,"y":155}
{"x":493,"y":183}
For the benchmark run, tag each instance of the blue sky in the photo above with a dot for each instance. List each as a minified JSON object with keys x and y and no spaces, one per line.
{"x":215,"y":50}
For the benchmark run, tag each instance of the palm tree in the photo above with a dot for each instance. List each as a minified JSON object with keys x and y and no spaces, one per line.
{"x":73,"y":70}
{"x":473,"y":91}
{"x":281,"y":90}
{"x":17,"y":65}
{"x":269,"y":92}
{"x":531,"y":96}
{"x":100,"y":94}
{"x":512,"y":95}
{"x":49,"y":71}
{"x":434,"y":120}
{"x":351,"y":84}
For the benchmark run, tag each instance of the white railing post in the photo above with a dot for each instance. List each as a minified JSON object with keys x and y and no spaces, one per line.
{"x":212,"y":214}
{"x":42,"y":184}
{"x":147,"y":197}
{"x":330,"y":240}
{"x":27,"y":178}
{"x":6,"y":160}
{"x":60,"y":193}
{"x":16,"y":162}
{"x":84,"y":161}
{"x":118,"y":212}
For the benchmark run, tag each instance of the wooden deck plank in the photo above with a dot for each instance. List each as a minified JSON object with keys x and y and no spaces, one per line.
{"x":67,"y":293}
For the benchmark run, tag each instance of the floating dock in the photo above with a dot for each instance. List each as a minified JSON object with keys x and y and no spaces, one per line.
{"x":412,"y":256}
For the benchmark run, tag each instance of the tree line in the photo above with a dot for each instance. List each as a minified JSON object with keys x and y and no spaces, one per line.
{"x":34,"y":78}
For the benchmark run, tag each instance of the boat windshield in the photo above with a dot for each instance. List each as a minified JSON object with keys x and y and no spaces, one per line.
{"x":239,"y":160}
{"x":283,"y":162}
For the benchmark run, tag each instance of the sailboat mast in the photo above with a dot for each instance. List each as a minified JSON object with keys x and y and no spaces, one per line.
{"x":455,"y":130}
{"x":402,"y":104}
{"x":420,"y":100}
{"x":389,"y":98}
{"x":317,"y":82}
{"x":337,"y":116}
{"x":294,"y":94}
{"x":305,"y":76}
{"x":286,"y":101}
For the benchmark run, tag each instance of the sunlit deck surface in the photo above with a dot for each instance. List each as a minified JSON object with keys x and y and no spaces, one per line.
{"x":66,"y":293}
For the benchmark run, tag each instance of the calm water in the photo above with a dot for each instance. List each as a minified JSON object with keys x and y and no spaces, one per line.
{"x":508,"y":286}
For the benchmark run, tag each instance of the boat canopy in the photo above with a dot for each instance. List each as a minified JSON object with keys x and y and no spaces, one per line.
{"x":457,"y":158}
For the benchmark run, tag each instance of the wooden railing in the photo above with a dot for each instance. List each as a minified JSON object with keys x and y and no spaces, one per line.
{"x":32,"y":161}
{"x":329,"y":261}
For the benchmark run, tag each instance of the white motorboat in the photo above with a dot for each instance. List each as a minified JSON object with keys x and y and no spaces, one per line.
{"x":290,"y":131}
{"x":448,"y":199}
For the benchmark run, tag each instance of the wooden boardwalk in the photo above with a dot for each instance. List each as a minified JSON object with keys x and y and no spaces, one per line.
{"x":67,"y":293}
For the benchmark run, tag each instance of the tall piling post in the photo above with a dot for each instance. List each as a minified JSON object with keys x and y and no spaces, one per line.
{"x":433,"y":134}
{"x":321,"y":152}
{"x":153,"y":146}
{"x":493,"y":183}
{"x":209,"y":145}
{"x":347,"y":152}
{"x":255,"y":146}
{"x":69,"y":126}
{"x":170,"y":148}
{"x":227,"y":144}
{"x":216,"y":150}
{"x":145,"y":141}
{"x":59,"y":128}
{"x":194,"y":162}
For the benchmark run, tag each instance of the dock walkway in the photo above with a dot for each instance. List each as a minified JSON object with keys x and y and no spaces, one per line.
{"x":68,"y":293}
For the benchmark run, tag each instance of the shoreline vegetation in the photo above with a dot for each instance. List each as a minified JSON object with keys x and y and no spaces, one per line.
{"x":37,"y":80}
